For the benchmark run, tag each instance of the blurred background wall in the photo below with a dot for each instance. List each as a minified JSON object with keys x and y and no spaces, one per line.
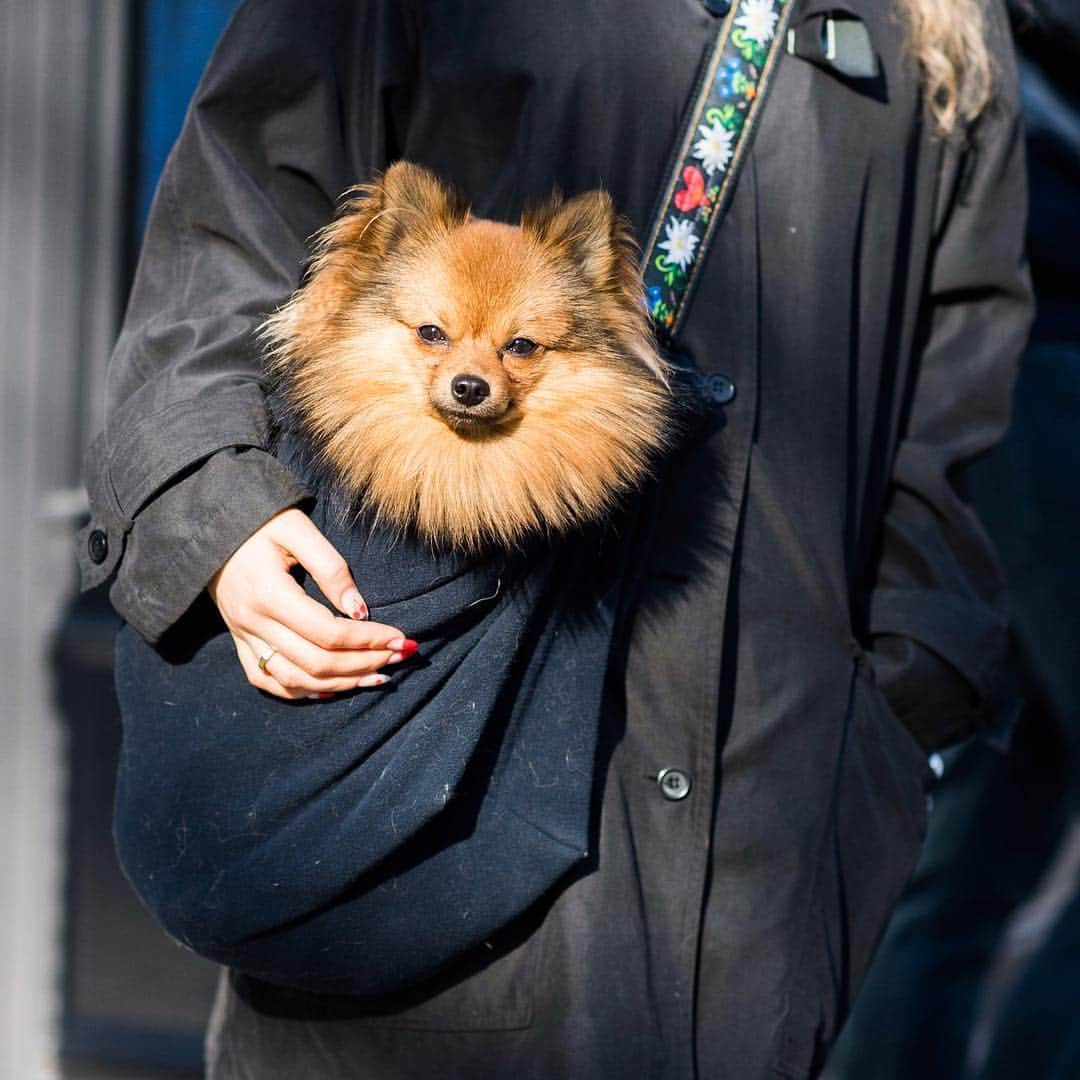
{"x":92,"y":93}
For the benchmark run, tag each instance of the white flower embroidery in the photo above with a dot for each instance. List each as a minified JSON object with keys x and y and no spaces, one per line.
{"x":713,"y":149}
{"x":680,"y":242}
{"x":758,"y":20}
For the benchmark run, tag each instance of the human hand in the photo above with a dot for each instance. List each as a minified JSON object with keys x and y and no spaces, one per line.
{"x":312,"y":652}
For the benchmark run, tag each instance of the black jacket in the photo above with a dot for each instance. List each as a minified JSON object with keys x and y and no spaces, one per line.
{"x":867,"y":297}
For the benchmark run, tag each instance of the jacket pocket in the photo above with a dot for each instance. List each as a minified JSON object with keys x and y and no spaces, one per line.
{"x":870,"y":845}
{"x":895,"y":738}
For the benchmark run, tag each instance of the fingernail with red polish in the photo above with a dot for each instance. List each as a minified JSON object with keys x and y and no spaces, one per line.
{"x":405,"y":646}
{"x":372,"y":680}
{"x":353,"y":603}
{"x":321,"y":696}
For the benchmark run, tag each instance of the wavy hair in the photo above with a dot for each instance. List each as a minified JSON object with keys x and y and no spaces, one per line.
{"x":949,"y":40}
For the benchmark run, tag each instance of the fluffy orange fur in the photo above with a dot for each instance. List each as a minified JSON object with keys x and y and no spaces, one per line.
{"x":562,"y":432}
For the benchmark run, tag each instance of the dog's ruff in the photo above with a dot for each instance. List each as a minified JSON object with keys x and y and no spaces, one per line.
{"x":584,"y":418}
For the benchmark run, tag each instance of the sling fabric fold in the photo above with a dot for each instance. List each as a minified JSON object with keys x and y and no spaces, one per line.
{"x":360,"y":844}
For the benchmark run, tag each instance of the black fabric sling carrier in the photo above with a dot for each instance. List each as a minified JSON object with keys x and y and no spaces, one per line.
{"x":364,"y":844}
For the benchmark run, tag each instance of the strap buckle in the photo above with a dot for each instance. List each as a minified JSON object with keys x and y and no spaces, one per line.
{"x":841,"y":43}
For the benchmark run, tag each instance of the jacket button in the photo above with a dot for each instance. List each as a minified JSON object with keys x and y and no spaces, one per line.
{"x":674,"y":783}
{"x":97,"y":546}
{"x":721,"y":389}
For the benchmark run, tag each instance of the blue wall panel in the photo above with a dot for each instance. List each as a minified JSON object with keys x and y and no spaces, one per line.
{"x":176,"y":38}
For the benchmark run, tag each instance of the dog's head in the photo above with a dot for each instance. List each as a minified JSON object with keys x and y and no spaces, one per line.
{"x":473,"y":379}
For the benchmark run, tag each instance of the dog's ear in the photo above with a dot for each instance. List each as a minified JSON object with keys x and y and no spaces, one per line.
{"x":589,"y":231}
{"x":405,"y":202}
{"x":404,"y":205}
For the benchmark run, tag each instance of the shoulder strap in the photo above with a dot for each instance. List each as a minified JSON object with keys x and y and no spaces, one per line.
{"x":719,"y":127}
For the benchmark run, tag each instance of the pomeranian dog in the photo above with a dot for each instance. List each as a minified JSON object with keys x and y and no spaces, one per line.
{"x":473,"y":381}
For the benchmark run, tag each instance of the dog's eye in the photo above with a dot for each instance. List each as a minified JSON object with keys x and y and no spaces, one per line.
{"x":432,"y":334}
{"x":520,"y":346}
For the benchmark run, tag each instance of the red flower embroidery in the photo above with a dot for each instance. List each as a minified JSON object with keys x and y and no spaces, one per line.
{"x":693,"y":195}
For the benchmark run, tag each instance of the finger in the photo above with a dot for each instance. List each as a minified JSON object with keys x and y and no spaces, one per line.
{"x":326,"y":566}
{"x":299,"y":682}
{"x":319,"y":663}
{"x":284,"y":601}
{"x":260,"y":679}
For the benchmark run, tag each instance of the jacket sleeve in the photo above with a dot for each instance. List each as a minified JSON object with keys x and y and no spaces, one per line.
{"x":292,"y":109}
{"x":937,"y":612}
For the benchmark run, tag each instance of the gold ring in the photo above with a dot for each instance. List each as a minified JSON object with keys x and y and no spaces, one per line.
{"x":264,"y":660}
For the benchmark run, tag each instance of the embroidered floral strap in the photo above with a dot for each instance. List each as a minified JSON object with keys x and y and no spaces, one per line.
{"x":717,"y":134}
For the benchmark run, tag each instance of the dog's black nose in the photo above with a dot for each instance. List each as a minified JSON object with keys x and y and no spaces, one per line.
{"x":469,"y":389}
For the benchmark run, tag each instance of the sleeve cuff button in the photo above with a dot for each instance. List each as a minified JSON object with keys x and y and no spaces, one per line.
{"x":97,"y":546}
